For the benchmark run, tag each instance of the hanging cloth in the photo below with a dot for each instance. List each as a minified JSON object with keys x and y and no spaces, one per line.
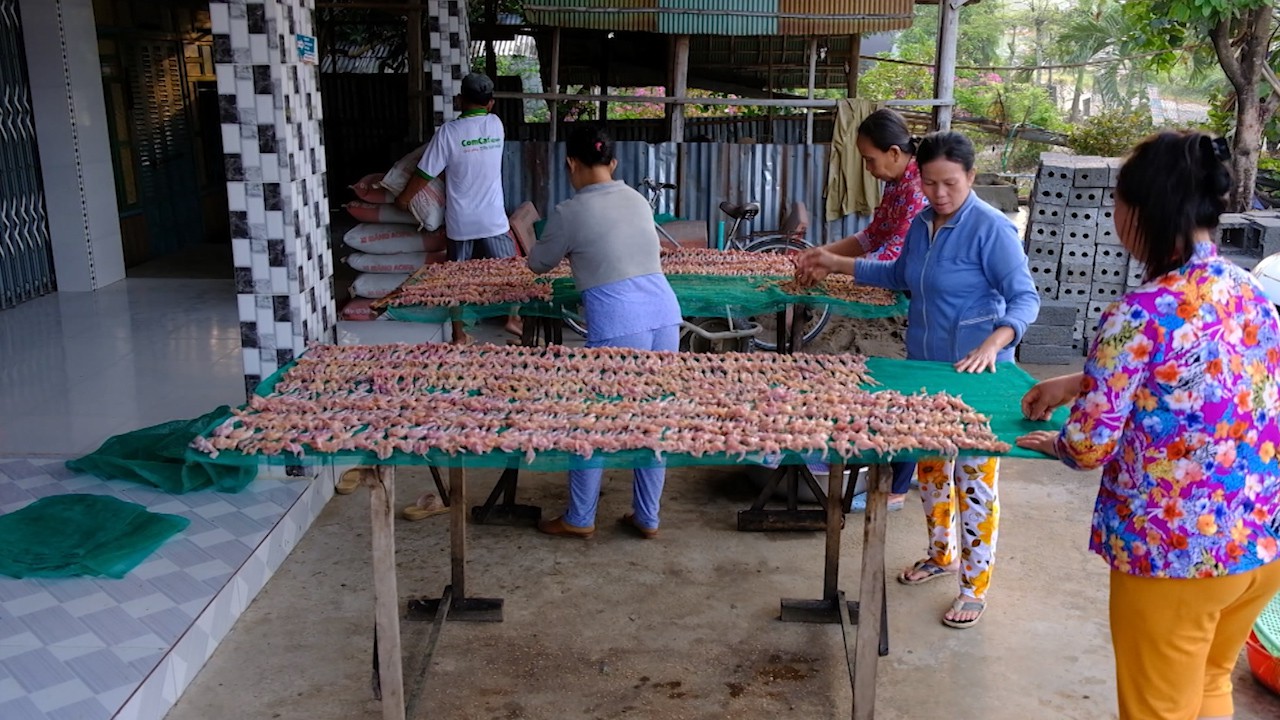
{"x":850,"y":188}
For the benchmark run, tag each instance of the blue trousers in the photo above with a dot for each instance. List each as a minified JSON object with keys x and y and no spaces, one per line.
{"x":902,"y":474}
{"x":646,"y":488}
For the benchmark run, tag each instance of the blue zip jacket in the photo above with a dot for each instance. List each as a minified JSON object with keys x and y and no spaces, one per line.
{"x":968,"y":279}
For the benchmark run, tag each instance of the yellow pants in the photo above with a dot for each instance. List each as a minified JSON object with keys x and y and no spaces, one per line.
{"x":1177,"y":640}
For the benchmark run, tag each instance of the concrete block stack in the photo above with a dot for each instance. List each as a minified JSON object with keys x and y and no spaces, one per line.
{"x":1074,"y":252}
{"x":1246,"y":238}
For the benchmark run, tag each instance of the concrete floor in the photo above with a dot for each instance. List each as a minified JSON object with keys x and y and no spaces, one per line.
{"x":685,"y":626}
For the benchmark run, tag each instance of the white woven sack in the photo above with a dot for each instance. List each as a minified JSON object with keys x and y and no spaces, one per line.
{"x":397,"y":263}
{"x":392,"y":238}
{"x":376,"y":285}
{"x":428,"y":205}
{"x":398,"y":176}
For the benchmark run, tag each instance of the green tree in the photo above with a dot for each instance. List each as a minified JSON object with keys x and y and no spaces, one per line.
{"x":1244,"y":38}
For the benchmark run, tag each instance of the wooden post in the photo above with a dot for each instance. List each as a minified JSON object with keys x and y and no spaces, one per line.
{"x":491,"y":26}
{"x":944,"y":78}
{"x":835,"y":514}
{"x":553,"y":106}
{"x":813,"y":72}
{"x":604,"y":77}
{"x":851,"y":72}
{"x":458,"y":531}
{"x":871,"y":594}
{"x":418,"y":112}
{"x":386,"y":599}
{"x":679,"y":84}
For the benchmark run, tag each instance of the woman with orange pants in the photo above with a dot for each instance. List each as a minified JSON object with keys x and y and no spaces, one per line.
{"x":1179,"y":404}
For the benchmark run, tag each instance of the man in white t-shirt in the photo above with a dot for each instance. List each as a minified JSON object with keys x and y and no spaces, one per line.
{"x":470,"y":148}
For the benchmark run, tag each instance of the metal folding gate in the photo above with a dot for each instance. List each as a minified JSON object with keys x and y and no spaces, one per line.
{"x":26,"y":262}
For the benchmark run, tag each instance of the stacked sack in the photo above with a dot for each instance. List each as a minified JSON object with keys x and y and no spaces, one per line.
{"x":390,"y":243}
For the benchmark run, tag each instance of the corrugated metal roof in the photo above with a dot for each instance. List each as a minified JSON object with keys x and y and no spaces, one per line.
{"x":725,"y":17}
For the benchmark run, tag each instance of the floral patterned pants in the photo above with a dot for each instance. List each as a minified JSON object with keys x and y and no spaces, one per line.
{"x":967,"y":486}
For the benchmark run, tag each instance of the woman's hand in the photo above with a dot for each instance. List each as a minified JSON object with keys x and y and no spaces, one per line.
{"x":813,"y":265}
{"x":1042,"y":441}
{"x":983,"y":357}
{"x":1049,"y":395}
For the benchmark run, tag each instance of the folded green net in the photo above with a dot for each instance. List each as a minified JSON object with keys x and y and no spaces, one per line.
{"x":157,"y":456}
{"x":79,"y":534}
{"x":997,"y":395}
{"x":699,"y":296}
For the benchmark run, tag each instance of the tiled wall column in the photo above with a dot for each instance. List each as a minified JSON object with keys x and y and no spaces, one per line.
{"x":71,"y":132}
{"x":273,"y":143}
{"x":448,"y":53}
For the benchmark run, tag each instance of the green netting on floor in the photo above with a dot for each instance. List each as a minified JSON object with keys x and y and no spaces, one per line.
{"x":157,"y":456}
{"x":996,"y":395}
{"x":699,"y":296}
{"x":79,"y":534}
{"x":1267,"y":627}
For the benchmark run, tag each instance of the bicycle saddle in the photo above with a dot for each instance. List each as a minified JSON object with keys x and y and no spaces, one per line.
{"x":746,"y":211}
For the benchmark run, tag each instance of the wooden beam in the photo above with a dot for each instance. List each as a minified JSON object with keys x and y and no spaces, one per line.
{"x":944,"y":77}
{"x":813,"y":71}
{"x":458,"y":531}
{"x":819,"y":103}
{"x":552,"y":105}
{"x":679,"y":84}
{"x":418,"y":107}
{"x":851,"y":70}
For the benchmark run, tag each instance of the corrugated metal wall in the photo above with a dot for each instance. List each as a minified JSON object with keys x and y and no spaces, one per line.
{"x":26,"y":266}
{"x":708,"y":173}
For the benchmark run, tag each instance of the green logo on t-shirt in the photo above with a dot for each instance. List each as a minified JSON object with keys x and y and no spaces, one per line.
{"x":481,"y":141}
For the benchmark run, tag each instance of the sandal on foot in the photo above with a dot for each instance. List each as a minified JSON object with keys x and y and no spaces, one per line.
{"x":932,"y":571}
{"x":559,"y":528}
{"x":350,"y":481}
{"x":859,"y":503}
{"x":427,"y":506}
{"x":965,"y":605}
{"x":629,"y":521}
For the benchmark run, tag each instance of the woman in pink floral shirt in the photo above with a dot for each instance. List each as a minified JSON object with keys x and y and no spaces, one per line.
{"x":889,"y":151}
{"x":1179,"y":403}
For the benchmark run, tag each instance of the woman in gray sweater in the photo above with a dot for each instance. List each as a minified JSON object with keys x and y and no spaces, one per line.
{"x":606,"y":231}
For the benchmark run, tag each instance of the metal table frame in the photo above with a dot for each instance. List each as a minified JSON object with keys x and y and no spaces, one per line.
{"x":863,"y":623}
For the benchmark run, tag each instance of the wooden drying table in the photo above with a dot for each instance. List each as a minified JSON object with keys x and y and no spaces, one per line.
{"x":863,"y":622}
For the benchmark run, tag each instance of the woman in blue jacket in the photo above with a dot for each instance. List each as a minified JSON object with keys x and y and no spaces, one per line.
{"x":972,"y":297}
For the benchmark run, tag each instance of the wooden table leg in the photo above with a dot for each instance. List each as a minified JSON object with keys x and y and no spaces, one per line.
{"x":871,"y":595}
{"x":458,"y":530}
{"x":386,"y":597}
{"x":835,"y":516}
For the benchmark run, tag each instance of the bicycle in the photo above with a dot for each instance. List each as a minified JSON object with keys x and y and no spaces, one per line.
{"x":788,"y":239}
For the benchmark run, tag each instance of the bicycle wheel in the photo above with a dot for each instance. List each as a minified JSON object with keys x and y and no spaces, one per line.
{"x":576,"y":320}
{"x":816,"y":316}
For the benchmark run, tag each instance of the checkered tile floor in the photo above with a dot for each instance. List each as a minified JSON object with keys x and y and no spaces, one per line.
{"x":90,"y":648}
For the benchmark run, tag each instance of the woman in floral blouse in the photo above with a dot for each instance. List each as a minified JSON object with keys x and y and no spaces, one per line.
{"x":1179,"y":403}
{"x":889,"y":151}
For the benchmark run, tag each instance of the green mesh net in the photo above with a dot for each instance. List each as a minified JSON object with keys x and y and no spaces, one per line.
{"x":699,"y":296}
{"x":1267,"y":627}
{"x":998,"y":396}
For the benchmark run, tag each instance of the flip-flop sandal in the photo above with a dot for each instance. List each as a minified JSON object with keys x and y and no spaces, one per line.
{"x":859,"y":503}
{"x":932,"y":571}
{"x":427,"y":506}
{"x":628,"y":521}
{"x":965,"y":605}
{"x":350,"y":481}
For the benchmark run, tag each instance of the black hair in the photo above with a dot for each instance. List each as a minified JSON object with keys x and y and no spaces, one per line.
{"x":948,"y":145}
{"x":1176,"y":183}
{"x":886,"y":129}
{"x":590,"y":145}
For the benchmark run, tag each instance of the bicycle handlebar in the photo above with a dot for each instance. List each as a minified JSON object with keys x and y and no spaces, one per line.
{"x":651,"y":185}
